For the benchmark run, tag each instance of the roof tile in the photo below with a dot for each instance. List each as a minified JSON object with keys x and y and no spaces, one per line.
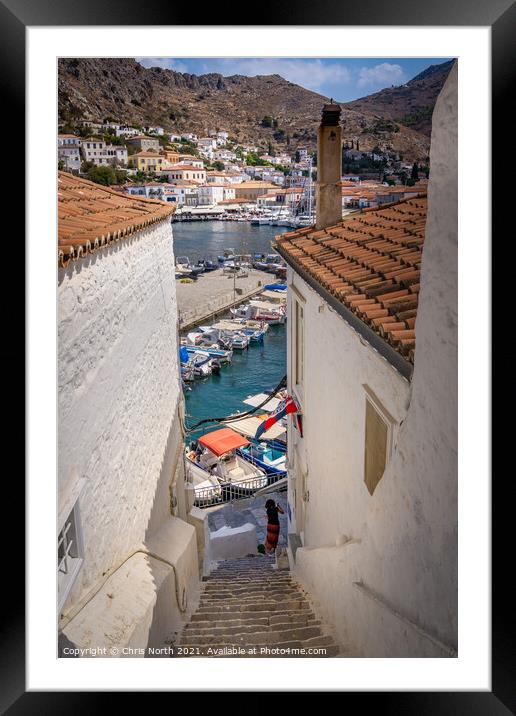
{"x":91,"y":215}
{"x":371,"y":261}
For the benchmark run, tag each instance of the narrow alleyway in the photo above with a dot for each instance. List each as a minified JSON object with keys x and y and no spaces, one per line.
{"x":249,"y":607}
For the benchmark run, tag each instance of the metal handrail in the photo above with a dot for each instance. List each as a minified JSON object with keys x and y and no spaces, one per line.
{"x":231,"y":491}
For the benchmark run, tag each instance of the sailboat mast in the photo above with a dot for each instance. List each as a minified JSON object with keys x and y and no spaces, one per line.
{"x":310,"y":188}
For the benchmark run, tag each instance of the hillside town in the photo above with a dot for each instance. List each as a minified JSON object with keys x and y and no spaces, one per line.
{"x":213,"y":177}
{"x":263,"y":462}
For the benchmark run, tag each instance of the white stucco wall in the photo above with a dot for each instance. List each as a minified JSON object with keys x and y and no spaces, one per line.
{"x":118,"y":400}
{"x":400,"y":544}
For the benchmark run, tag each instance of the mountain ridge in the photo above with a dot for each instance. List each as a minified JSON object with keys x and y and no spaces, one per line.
{"x":124,"y":90}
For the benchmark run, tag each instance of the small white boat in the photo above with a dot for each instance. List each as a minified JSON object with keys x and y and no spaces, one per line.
{"x":216,"y":464}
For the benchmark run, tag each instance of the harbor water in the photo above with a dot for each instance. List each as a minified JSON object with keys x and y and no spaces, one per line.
{"x":256,"y":369}
{"x":209,"y":239}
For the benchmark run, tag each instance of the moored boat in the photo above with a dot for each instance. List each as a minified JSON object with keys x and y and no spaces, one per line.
{"x":213,"y":464}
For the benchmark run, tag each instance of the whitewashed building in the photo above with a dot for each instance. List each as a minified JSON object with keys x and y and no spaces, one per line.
{"x":69,"y":152}
{"x":127,"y":556}
{"x":102,"y":154}
{"x":210,"y":194}
{"x":372,"y":362}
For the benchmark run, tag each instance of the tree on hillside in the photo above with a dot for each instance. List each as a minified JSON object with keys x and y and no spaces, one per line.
{"x":103,"y":175}
{"x":414,"y":174}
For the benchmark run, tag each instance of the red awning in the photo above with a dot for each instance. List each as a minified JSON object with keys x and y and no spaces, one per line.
{"x":224,"y":440}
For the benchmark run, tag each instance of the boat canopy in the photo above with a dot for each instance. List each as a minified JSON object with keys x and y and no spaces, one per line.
{"x":256,"y":400}
{"x":249,"y":426}
{"x":184,"y":356}
{"x":265,"y":305}
{"x":274,"y":295}
{"x":228,"y":325}
{"x":222,"y":441}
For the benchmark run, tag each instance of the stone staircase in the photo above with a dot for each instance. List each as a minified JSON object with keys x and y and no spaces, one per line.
{"x":249,"y":609}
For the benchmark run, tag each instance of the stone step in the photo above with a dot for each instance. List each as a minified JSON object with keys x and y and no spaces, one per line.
{"x":244,"y":582}
{"x":251,"y":587}
{"x":239,"y":584}
{"x":254,"y":637}
{"x":252,"y":606}
{"x":246,"y":617}
{"x":250,"y":596}
{"x":226,"y":630}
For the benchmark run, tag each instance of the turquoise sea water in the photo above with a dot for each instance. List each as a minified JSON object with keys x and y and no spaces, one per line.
{"x":261,"y":366}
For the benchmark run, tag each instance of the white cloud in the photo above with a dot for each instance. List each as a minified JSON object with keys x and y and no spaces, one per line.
{"x":167,"y":63}
{"x":312,"y":74}
{"x":381,"y":76}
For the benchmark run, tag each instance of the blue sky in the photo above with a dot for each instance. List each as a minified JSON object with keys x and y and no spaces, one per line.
{"x":343,"y":79}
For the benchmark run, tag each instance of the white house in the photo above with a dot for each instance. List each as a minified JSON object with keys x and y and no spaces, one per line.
{"x":127,"y":556}
{"x":102,"y":154}
{"x":190,"y":160}
{"x":207,"y":143}
{"x":372,"y":362}
{"x":224,"y":155}
{"x":185,"y":172}
{"x":125,"y":131}
{"x":226,"y":177}
{"x":70,"y":157}
{"x":68,"y":140}
{"x":155,"y":130}
{"x":215,"y":193}
{"x":182,"y":193}
{"x":69,"y":152}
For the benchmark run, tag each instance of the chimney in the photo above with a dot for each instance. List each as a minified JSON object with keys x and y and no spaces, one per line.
{"x":329,"y":168}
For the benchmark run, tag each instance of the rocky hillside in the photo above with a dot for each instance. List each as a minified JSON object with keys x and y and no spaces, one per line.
{"x":411,"y":104}
{"x":125,"y":91}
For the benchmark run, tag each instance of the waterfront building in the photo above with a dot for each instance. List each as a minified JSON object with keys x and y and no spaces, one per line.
{"x":183,"y":193}
{"x":215,"y":193}
{"x":372,"y":363}
{"x":251,"y":190}
{"x":127,"y":556}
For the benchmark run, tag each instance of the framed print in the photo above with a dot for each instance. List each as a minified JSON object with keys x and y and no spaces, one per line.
{"x":270,"y":439}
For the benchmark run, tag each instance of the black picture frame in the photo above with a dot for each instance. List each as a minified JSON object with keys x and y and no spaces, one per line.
{"x":500,"y":15}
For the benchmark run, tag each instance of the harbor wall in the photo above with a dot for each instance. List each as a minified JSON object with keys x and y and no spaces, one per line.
{"x":383,"y":567}
{"x":212,"y":295}
{"x":120,"y":442}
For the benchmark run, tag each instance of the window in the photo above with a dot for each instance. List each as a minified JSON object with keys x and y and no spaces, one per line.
{"x":69,"y":554}
{"x":378,"y":434}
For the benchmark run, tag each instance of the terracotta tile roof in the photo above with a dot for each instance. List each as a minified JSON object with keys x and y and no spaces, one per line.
{"x":371,"y":263}
{"x":91,"y":216}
